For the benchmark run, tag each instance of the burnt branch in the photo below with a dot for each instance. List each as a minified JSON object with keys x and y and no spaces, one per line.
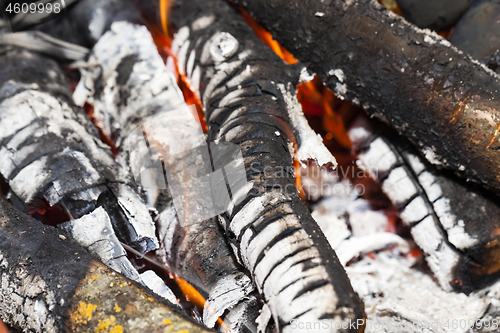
{"x":143,"y":119}
{"x":249,"y":95}
{"x":52,"y":154}
{"x":445,"y":102}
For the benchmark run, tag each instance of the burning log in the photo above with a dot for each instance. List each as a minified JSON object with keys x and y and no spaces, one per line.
{"x":443,"y":101}
{"x":141,"y":104}
{"x":391,"y":278}
{"x":249,"y":98}
{"x":89,"y":20}
{"x":52,"y":155}
{"x":52,"y":285}
{"x":453,"y":222}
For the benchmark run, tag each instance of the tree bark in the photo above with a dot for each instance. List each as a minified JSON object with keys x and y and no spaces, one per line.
{"x":446,"y":103}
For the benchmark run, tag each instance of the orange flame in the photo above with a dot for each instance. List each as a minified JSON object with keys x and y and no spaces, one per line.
{"x":267,"y":38}
{"x":193,"y":295}
{"x":3,"y":329}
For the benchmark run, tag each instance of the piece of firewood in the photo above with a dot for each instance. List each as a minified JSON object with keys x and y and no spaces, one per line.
{"x":51,"y":153}
{"x":249,"y":98}
{"x":49,"y":284}
{"x":454,"y":223}
{"x":446,"y":103}
{"x":137,"y":103}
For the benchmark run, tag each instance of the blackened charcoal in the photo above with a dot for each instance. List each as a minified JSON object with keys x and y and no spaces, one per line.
{"x":52,"y":154}
{"x":146,"y":98}
{"x":454,"y":222}
{"x":478,"y":33}
{"x":249,"y":99}
{"x":437,"y":85}
{"x":433,"y":14}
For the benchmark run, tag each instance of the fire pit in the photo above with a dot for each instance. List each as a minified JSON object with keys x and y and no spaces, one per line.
{"x":197,"y":152}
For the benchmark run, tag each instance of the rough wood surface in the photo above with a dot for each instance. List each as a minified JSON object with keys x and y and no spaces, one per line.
{"x":248,"y":94}
{"x":452,"y":221}
{"x":444,"y":102}
{"x":136,"y":102}
{"x":51,"y":153}
{"x":49,"y":284}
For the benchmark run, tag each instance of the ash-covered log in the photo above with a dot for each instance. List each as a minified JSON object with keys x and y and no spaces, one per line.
{"x":454,"y":223}
{"x":137,"y":103}
{"x":446,"y":103}
{"x":49,"y":284}
{"x":51,"y":153}
{"x":249,"y":98}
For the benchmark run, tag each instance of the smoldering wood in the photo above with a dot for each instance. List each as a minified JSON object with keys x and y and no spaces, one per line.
{"x":20,"y":20}
{"x":445,"y":102}
{"x":399,"y":288}
{"x":129,"y":89}
{"x":52,"y":284}
{"x":95,"y":232}
{"x":52,"y":153}
{"x":452,"y":221}
{"x":248,"y":95}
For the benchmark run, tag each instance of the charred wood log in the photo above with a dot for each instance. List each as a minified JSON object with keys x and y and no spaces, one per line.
{"x":249,"y":99}
{"x":454,"y":223}
{"x":49,"y":284}
{"x":51,"y":153}
{"x":40,"y":42}
{"x":135,"y":99}
{"x":446,"y":103}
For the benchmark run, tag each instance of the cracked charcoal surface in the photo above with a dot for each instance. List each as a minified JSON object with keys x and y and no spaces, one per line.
{"x":433,"y":14}
{"x":51,"y":153}
{"x":244,"y":88}
{"x":447,"y":105}
{"x":478,"y":33}
{"x":197,"y":252}
{"x":37,"y":294}
{"x":452,"y":221}
{"x":94,"y":232}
